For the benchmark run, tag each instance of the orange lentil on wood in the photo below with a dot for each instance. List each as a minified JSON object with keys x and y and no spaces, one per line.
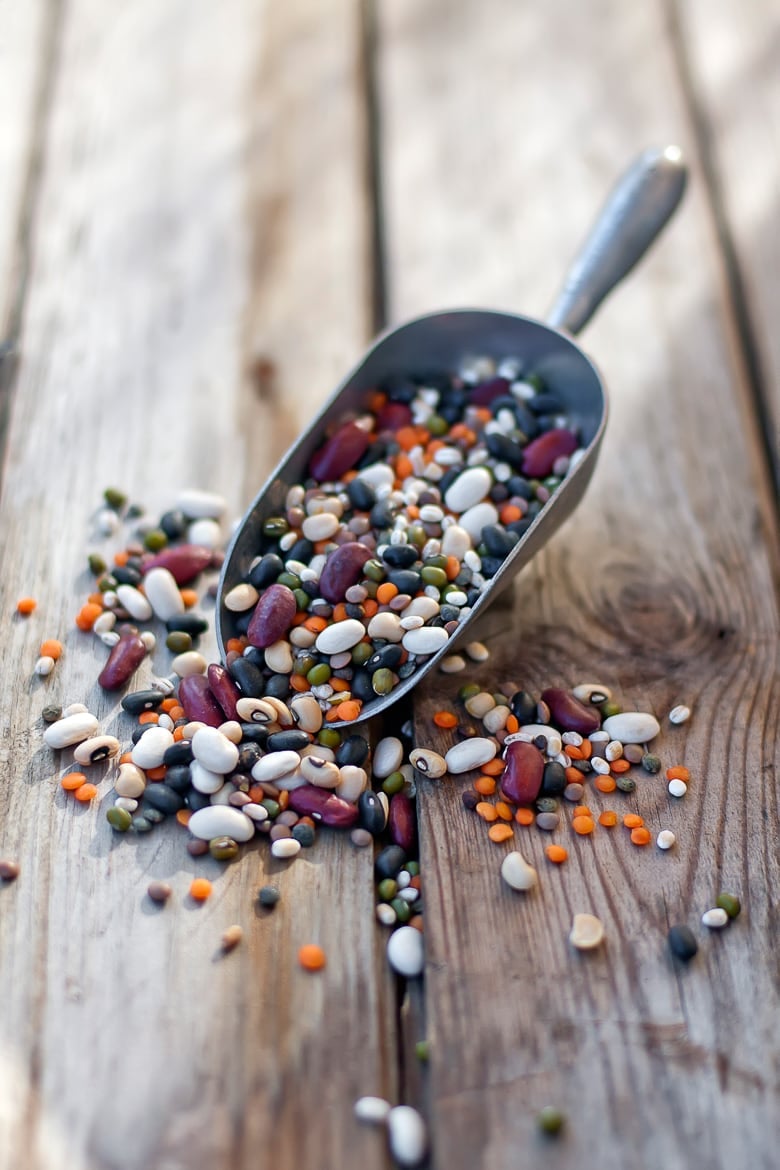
{"x":633,"y":821}
{"x":485,"y":785}
{"x":604,"y":784}
{"x":582,"y":810}
{"x":678,"y":772}
{"x":619,"y":766}
{"x":51,"y":648}
{"x":311,"y":957}
{"x":486,"y":811}
{"x":148,"y":717}
{"x":556,"y":854}
{"x":25,"y":606}
{"x":525,"y":816}
{"x":493,"y":767}
{"x":608,"y":818}
{"x":72,"y":781}
{"x":503,"y":811}
{"x":500,"y":833}
{"x":583,"y":825}
{"x":88,"y":615}
{"x":200,"y":889}
{"x":85,"y":792}
{"x":641,"y":836}
{"x":444,"y":719}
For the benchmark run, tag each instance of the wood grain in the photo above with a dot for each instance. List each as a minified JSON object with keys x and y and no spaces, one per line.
{"x":126,"y":1040}
{"x":731,"y":54}
{"x":662,"y":586}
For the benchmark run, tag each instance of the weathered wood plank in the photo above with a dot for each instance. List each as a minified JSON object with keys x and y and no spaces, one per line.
{"x":503,"y":126}
{"x":186,"y":169}
{"x":731,"y":54}
{"x":25,"y":54}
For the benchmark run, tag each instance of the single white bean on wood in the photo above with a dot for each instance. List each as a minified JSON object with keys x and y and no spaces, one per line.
{"x":286,"y":848}
{"x":407,"y":1135}
{"x":406,"y":952}
{"x":373,"y":1110}
{"x":587,"y":932}
{"x":632,"y":727}
{"x":517,"y":873}
{"x":470,"y":753}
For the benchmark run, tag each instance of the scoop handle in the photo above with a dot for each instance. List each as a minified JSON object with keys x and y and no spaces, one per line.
{"x":635,"y":212}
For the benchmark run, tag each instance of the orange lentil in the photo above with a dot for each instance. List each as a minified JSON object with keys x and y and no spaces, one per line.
{"x":556,"y":854}
{"x":311,"y":957}
{"x":121,"y":558}
{"x":503,"y":810}
{"x":452,"y":568}
{"x":299,"y":682}
{"x":633,"y":821}
{"x":493,"y":767}
{"x":677,"y":772}
{"x":485,"y":785}
{"x":370,"y":607}
{"x":512,"y":724}
{"x":412,"y":511}
{"x":88,"y":615}
{"x":183,"y":816}
{"x":256,"y":794}
{"x":415,"y":883}
{"x":573,"y":752}
{"x":586,"y":747}
{"x":510,"y":513}
{"x":403,"y":468}
{"x":641,"y":836}
{"x":604,"y":784}
{"x":200,"y":889}
{"x":573,"y":776}
{"x":376,"y":401}
{"x":178,"y":734}
{"x":71,"y":781}
{"x":348,"y":711}
{"x":189,"y":597}
{"x":97,"y":598}
{"x":608,"y":818}
{"x":339,"y":684}
{"x":445,"y":719}
{"x":85,"y":792}
{"x":234,"y":645}
{"x":340,"y":612}
{"x":525,"y":816}
{"x":126,"y":758}
{"x":619,"y":766}
{"x":582,"y":810}
{"x":25,"y":606}
{"x":500,"y":833}
{"x":407,"y":437}
{"x":583,"y":825}
{"x":486,"y":811}
{"x":386,"y":592}
{"x":156,"y":773}
{"x":148,"y":717}
{"x":52,"y":648}
{"x":168,"y":704}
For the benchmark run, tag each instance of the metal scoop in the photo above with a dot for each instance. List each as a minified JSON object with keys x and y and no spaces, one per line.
{"x":634,"y":214}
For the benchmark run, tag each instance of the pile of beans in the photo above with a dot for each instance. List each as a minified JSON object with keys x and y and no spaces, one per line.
{"x":408,"y":511}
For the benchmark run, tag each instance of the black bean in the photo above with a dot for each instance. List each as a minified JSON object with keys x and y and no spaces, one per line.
{"x":353,"y":750}
{"x":266,"y":571}
{"x":173,"y":524}
{"x":400,"y":556}
{"x":288,"y":741}
{"x":178,"y":778}
{"x":387,"y":657}
{"x":139,"y":701}
{"x":187,"y":623}
{"x":178,"y":753}
{"x":248,"y":676}
{"x":361,"y":495}
{"x":278,"y":686}
{"x":682,"y":943}
{"x":197,"y":800}
{"x":553,"y":779}
{"x":163,"y":797}
{"x":389,"y":861}
{"x":371,"y":813}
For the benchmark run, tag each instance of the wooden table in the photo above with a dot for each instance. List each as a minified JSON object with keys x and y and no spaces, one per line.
{"x":205,"y":212}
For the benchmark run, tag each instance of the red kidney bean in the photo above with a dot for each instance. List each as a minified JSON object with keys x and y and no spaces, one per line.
{"x":123,"y":661}
{"x":568,"y":713}
{"x":487,"y":392}
{"x":223,"y":689}
{"x":198,"y":702}
{"x":184,"y":561}
{"x":393,"y":416}
{"x":342,"y":569}
{"x":540,"y":454}
{"x":401,"y":822}
{"x":522,"y":779}
{"x":340,"y":452}
{"x":323,"y":806}
{"x":272,"y":617}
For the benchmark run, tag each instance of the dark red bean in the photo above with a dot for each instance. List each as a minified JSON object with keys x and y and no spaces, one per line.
{"x":522,"y":779}
{"x":568,"y":713}
{"x":123,"y":661}
{"x":184,"y":561}
{"x":340,"y":453}
{"x":224,"y":690}
{"x":540,"y":454}
{"x":486,"y":392}
{"x":198,"y":702}
{"x":272,"y":617}
{"x":343,"y":569}
{"x":393,"y":416}
{"x":401,"y":822}
{"x":323,"y":806}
